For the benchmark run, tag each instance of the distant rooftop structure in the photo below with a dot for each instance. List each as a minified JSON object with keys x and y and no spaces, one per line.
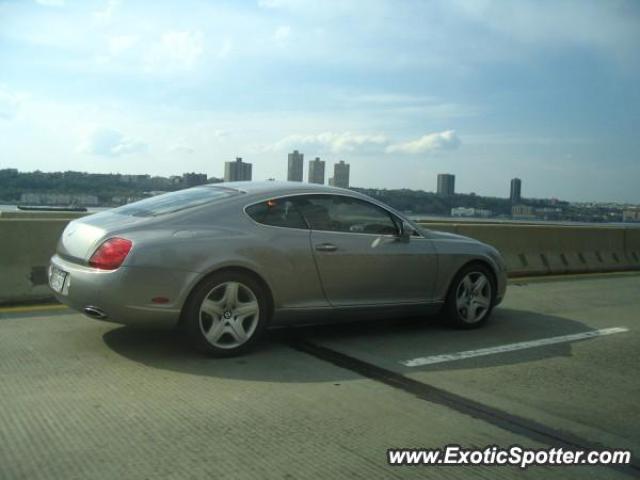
{"x":470,"y":212}
{"x":446,"y":184}
{"x":631,"y":214}
{"x":193,"y":179}
{"x":340,"y":175}
{"x":522,"y":211}
{"x":316,"y":171}
{"x":295,"y":166}
{"x":516,"y":189}
{"x":237,"y":171}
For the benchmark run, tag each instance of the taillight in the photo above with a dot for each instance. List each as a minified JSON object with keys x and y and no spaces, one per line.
{"x":111,"y":253}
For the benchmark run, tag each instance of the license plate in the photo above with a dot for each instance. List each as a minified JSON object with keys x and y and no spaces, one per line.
{"x":57,"y":278}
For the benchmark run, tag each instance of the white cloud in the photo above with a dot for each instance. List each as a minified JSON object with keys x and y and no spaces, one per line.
{"x":176,"y":51}
{"x":431,"y":142}
{"x":333,"y":142}
{"x":109,"y":143}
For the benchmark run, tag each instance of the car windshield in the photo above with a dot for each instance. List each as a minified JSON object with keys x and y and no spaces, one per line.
{"x":175,"y":201}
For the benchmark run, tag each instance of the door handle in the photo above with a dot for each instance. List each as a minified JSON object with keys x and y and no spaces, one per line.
{"x":326,"y":247}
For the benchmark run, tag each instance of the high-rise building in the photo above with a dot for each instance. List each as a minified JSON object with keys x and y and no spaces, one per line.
{"x":316,"y":171}
{"x":446,"y":184}
{"x":296,"y":164}
{"x":237,"y":171}
{"x":340,"y":175}
{"x":516,"y":189}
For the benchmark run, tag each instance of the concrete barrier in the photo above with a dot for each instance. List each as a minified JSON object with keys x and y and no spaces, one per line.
{"x":41,"y":214}
{"x":555,"y":249}
{"x":25,"y":248}
{"x":26,"y":244}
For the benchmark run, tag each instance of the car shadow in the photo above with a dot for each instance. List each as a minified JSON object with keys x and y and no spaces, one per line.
{"x":383,"y":343}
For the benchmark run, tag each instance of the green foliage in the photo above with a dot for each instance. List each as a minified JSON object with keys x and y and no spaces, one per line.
{"x":105,"y":186}
{"x":429,"y":203}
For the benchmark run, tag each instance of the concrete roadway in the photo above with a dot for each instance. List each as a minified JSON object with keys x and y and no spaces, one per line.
{"x":81,"y":399}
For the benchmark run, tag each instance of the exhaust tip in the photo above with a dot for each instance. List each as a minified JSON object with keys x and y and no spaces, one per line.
{"x":94,"y":312}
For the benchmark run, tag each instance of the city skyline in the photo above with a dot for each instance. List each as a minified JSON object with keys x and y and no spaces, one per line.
{"x":548,"y":93}
{"x":191,"y":179}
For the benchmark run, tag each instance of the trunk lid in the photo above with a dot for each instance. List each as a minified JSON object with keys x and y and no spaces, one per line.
{"x":83,"y":236}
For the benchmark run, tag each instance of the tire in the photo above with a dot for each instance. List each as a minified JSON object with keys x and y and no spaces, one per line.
{"x":227,"y":314}
{"x":471,"y":297}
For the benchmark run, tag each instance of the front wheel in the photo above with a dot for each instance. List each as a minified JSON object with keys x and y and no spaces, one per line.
{"x":227,"y":314}
{"x":471,"y":297}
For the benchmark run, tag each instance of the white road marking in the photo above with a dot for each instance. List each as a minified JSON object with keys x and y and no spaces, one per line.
{"x":512,"y":347}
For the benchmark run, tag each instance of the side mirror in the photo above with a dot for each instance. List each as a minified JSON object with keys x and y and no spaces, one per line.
{"x":406,"y":230}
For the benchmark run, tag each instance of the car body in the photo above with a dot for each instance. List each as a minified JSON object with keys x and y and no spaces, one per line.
{"x":311,"y":267}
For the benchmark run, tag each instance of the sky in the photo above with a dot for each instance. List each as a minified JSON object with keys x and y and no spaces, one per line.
{"x":547,"y":91}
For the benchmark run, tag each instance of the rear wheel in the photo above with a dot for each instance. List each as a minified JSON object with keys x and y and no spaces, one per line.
{"x":227,"y":314}
{"x":471,"y":297}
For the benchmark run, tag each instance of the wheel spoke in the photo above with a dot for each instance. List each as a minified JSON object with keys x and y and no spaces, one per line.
{"x":230,"y":298}
{"x":215,"y":309}
{"x":237,"y":330}
{"x":480,"y":284}
{"x":468,"y":284}
{"x":482,"y":301}
{"x":246,"y":309}
{"x":471,"y":313}
{"x":216,"y":331}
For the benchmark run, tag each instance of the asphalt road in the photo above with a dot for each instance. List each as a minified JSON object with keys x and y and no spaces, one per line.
{"x":81,"y":399}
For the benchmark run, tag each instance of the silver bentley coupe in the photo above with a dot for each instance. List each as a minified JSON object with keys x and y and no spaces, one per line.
{"x":226,"y":261}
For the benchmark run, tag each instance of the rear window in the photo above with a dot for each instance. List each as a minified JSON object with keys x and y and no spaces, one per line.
{"x":277,"y":213}
{"x":175,"y":201}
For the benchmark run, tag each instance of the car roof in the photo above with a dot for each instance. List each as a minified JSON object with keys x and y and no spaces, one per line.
{"x":281,"y":188}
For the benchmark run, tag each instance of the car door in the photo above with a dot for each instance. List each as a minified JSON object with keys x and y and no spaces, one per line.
{"x":361,"y":258}
{"x":285,"y":254}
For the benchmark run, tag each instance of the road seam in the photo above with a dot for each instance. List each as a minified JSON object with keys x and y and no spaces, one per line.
{"x":429,"y":393}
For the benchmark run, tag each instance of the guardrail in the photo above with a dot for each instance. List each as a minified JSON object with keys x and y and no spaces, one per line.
{"x":27,"y":243}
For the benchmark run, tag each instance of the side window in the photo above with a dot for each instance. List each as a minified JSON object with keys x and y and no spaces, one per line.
{"x":277,"y":213}
{"x":345,"y":214}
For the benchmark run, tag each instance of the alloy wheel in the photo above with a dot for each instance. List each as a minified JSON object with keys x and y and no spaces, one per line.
{"x":473,"y":297}
{"x":229,"y":315}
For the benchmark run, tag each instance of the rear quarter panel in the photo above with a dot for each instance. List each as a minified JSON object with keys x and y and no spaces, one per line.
{"x":212,"y":240}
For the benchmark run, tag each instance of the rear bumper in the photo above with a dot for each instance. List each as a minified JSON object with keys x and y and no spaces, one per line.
{"x":124,"y":295}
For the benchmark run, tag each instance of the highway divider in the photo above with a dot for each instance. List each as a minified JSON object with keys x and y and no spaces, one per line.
{"x":27,"y":243}
{"x":555,"y":249}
